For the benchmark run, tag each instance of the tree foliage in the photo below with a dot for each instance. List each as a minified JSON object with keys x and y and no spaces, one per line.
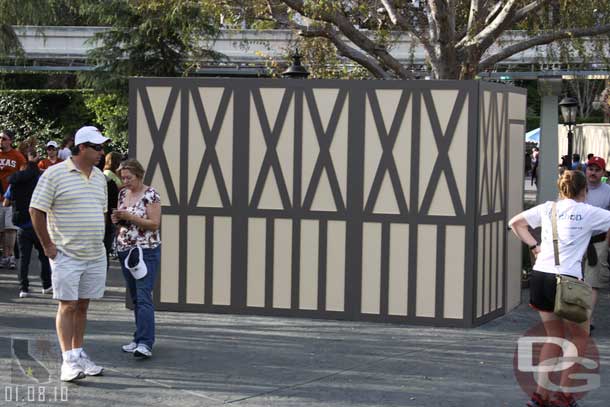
{"x":457,"y":35}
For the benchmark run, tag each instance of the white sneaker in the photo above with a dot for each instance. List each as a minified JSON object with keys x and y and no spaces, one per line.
{"x":71,"y":371}
{"x":24,"y":294}
{"x":47,"y":290}
{"x":142,"y":351}
{"x":130,"y":347}
{"x":90,"y":368}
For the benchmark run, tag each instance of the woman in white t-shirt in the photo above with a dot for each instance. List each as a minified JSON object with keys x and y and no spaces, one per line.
{"x":576,"y":222}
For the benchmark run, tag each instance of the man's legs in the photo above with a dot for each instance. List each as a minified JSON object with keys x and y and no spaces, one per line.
{"x":65,"y":324}
{"x":80,"y":322}
{"x":25,"y":242}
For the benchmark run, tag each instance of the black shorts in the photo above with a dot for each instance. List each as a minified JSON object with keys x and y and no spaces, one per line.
{"x":542,"y":290}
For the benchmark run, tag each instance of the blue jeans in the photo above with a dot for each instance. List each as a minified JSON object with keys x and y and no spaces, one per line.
{"x":141,"y":295}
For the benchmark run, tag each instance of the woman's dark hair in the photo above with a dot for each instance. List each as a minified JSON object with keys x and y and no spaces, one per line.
{"x":571,"y":184}
{"x":112,"y":161}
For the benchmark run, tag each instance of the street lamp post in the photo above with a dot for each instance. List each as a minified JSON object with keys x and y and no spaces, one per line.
{"x":569,"y":109}
{"x":296,"y":70}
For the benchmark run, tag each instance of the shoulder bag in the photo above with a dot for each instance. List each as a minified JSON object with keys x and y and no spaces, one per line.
{"x":573,"y":296}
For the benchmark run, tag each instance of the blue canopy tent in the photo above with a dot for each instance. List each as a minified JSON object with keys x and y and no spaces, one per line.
{"x":533,"y":136}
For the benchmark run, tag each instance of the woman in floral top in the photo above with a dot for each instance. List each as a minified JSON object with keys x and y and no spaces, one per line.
{"x":138,"y":216}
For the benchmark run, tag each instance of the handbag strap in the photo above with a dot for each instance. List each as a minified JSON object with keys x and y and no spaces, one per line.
{"x":555,"y":235}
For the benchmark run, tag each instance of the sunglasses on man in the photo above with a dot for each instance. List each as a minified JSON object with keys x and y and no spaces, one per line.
{"x":96,"y":147}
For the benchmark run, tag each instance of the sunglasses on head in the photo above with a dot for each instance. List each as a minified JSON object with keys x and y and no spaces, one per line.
{"x":96,"y":147}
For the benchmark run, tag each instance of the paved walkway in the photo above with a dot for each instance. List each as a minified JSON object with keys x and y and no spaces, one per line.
{"x":210,"y":360}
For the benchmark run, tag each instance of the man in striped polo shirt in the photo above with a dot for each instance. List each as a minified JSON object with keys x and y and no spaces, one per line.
{"x":67,"y":211}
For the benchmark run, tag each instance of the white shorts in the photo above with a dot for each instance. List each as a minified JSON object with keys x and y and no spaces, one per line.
{"x":6,"y":218}
{"x":75,"y":279}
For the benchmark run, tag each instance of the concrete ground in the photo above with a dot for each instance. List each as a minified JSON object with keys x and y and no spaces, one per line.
{"x":210,"y":360}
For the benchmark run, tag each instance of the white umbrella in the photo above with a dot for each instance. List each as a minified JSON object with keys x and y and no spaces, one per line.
{"x":533,"y":136}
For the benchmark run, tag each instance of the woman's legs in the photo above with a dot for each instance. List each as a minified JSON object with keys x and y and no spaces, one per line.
{"x":553,"y":327}
{"x":145,"y":329}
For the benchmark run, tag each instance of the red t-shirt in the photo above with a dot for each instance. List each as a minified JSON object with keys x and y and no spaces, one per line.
{"x":10,"y":162}
{"x":46,"y":163}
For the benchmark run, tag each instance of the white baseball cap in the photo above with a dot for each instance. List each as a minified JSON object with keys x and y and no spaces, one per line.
{"x":134,"y":262}
{"x":52,"y":144}
{"x":89,"y":134}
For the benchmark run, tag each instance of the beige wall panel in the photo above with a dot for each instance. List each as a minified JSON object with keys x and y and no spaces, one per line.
{"x":171,"y":148}
{"x":325,"y":100}
{"x":593,"y":137}
{"x":516,"y":107}
{"x":388,"y":102}
{"x":221,"y":280}
{"x":170,"y":230}
{"x":224,"y":145}
{"x":399,"y":269}
{"x":402,"y":150}
{"x":426,"y":271}
{"x":308,"y":277}
{"x":270,"y":198}
{"x":196,"y":146}
{"x":458,"y":152}
{"x":455,"y":249}
{"x":282,"y":269}
{"x":427,"y":148}
{"x":372,"y":148}
{"x":323,"y":198}
{"x":386,"y":200}
{"x":494,"y":265}
{"x":483,"y":152}
{"x":335,"y":266}
{"x":338,"y":150}
{"x":441,"y":204}
{"x":487,"y":285}
{"x":515,"y":206}
{"x":144,"y":148}
{"x":371,"y":268}
{"x":501,"y":268}
{"x":159,"y":95}
{"x":311,"y":149}
{"x":144,"y":145}
{"x":255,"y":294}
{"x":285,"y":149}
{"x":444,"y":101}
{"x":195,"y":260}
{"x":480,"y":271}
{"x":500,"y":145}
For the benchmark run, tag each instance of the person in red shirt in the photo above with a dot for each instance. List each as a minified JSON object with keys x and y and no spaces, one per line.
{"x":11,"y":161}
{"x":52,"y":157}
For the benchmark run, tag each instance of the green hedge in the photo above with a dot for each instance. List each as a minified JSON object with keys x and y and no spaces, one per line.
{"x":51,"y":114}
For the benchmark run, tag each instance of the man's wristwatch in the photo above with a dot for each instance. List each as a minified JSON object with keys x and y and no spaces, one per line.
{"x":532,"y":247}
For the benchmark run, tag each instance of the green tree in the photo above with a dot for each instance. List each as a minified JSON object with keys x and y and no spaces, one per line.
{"x":457,"y":35}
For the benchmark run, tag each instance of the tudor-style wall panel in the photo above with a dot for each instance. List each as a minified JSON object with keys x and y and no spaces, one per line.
{"x":371,"y":268}
{"x":426,"y":271}
{"x":398,"y":287}
{"x":195,"y":260}
{"x":335,"y":266}
{"x":170,"y":230}
{"x":308,"y":276}
{"x":346,"y":245}
{"x":388,"y":122}
{"x":221,"y":281}
{"x":211,"y":118}
{"x":282,"y":258}
{"x":455,"y":245}
{"x":515,"y":205}
{"x":255,"y":294}
{"x":271,"y":118}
